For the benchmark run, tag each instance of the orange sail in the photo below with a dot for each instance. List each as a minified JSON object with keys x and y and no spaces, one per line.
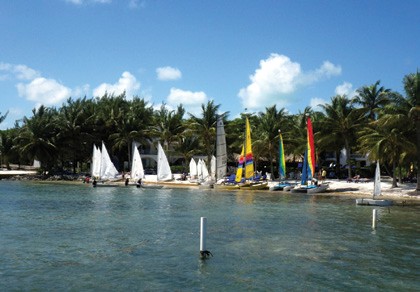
{"x":310,"y":147}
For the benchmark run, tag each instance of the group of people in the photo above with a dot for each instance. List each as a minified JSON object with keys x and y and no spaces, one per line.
{"x":138,"y":183}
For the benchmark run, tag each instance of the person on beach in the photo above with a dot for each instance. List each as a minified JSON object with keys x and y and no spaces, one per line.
{"x":323,"y":174}
{"x":94,"y":183}
{"x":139,"y":183}
{"x":126,"y":182}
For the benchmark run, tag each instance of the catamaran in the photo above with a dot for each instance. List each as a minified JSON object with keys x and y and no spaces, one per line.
{"x":282,"y":185}
{"x":246,"y":162}
{"x":308,"y":168}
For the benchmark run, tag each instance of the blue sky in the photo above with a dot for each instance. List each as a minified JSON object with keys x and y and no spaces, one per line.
{"x":239,"y":53}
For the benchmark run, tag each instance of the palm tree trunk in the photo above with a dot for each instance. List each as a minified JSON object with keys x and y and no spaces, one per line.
{"x":394,"y":175}
{"x":348,"y":158}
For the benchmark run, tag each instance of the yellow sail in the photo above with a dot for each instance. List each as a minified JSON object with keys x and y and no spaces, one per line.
{"x":249,"y":159}
{"x":240,"y":168}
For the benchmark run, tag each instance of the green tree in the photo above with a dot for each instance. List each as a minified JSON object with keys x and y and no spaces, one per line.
{"x":339,"y":125}
{"x":36,"y":138}
{"x":412,"y":89}
{"x":205,"y":127}
{"x":267,"y":132}
{"x":372,"y":98}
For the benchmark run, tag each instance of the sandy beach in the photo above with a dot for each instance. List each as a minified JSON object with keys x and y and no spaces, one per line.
{"x":403,"y":194}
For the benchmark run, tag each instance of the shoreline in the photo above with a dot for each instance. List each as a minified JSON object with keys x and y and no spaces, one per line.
{"x":404,"y":194}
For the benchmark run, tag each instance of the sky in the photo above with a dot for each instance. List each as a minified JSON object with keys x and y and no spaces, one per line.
{"x":244,"y":55}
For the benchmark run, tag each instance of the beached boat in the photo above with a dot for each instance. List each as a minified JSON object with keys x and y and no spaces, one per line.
{"x":104,"y":172}
{"x":308,"y":184}
{"x":137,"y":170}
{"x":164,"y":172}
{"x":245,"y":172}
{"x":148,"y":186}
{"x":377,"y":191}
{"x":282,"y":185}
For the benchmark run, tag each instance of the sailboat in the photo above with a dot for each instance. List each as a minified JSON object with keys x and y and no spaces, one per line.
{"x":137,"y":171}
{"x":282,"y":185}
{"x":377,"y":191}
{"x":193,"y":170}
{"x":221,"y":153}
{"x":102,"y":168}
{"x":247,"y":162}
{"x":164,"y":172}
{"x":308,"y":168}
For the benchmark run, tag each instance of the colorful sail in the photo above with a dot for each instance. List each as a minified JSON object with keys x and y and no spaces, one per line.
{"x":310,"y":147}
{"x":305,"y":170}
{"x":240,"y":168}
{"x":249,"y":160}
{"x":282,"y":162}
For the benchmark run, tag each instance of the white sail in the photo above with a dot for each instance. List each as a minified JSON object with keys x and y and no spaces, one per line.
{"x":221,"y":154}
{"x":108,"y":170}
{"x":163,"y":169}
{"x":96,"y":162}
{"x":137,"y":170}
{"x":213,"y":168}
{"x":377,"y":182}
{"x":193,"y":169}
{"x":204,"y":170}
{"x":199,"y":169}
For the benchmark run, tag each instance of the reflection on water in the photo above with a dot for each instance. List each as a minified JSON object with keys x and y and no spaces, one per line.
{"x":72,"y":237}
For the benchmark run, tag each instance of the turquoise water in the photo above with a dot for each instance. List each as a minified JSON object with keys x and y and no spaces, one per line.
{"x":74,"y":237}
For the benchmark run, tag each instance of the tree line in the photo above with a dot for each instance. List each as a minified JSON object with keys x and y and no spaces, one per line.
{"x":377,"y":122}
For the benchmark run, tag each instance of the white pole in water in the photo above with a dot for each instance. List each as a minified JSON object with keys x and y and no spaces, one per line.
{"x":203,"y":230}
{"x":374,"y":219}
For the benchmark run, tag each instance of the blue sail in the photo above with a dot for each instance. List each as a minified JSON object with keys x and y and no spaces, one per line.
{"x":304,"y":177}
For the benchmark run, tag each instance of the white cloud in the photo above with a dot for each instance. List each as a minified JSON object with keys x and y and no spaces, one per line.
{"x":315,"y":102}
{"x":44,"y":91}
{"x":127,"y":83}
{"x":277,"y":77}
{"x":345,"y":89}
{"x":168,"y":73}
{"x":21,"y":72}
{"x":191,"y":101}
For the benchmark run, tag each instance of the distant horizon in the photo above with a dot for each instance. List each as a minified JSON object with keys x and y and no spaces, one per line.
{"x":240,"y":54}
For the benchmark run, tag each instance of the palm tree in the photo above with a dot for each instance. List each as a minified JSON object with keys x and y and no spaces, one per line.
{"x":412,"y":89}
{"x":385,"y":140}
{"x":339,"y":125}
{"x":72,"y":136}
{"x":2,"y":118}
{"x":266,"y":134}
{"x":168,"y":125}
{"x":36,"y":138}
{"x":205,"y":127}
{"x":372,"y":98}
{"x":131,"y":122}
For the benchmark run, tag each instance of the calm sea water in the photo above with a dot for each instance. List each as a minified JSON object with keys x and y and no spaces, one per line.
{"x":74,"y":237}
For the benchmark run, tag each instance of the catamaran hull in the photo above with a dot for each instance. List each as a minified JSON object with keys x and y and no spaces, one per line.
{"x":226,"y":186}
{"x":281,"y":187}
{"x":105,"y":185}
{"x":310,"y":190}
{"x":373,"y":202}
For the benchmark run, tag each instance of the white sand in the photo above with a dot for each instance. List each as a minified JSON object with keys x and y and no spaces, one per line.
{"x":365,"y":189}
